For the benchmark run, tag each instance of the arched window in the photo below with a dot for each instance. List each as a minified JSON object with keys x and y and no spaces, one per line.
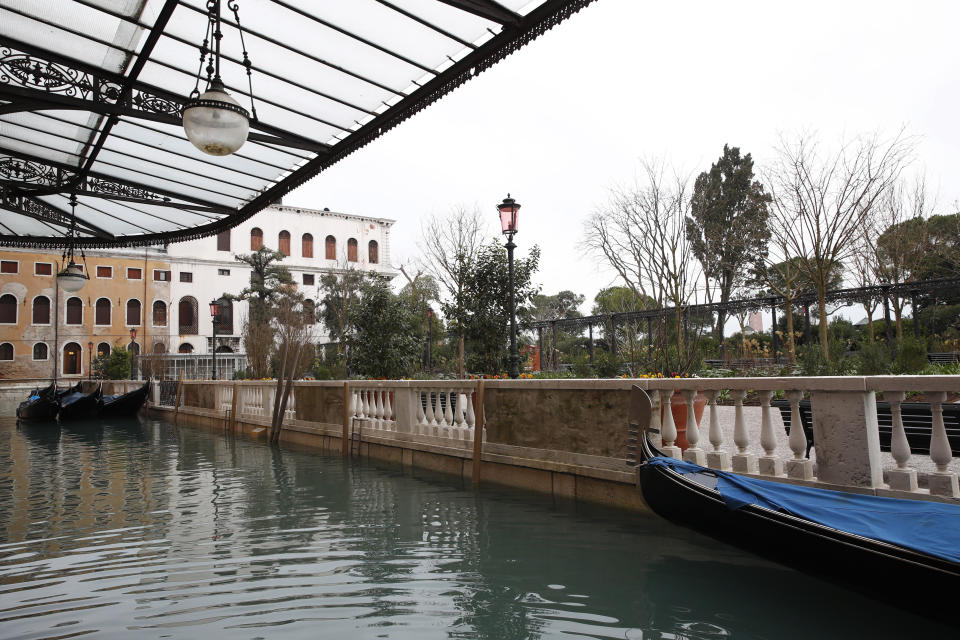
{"x":159,"y":347}
{"x":330,"y":250}
{"x":103,"y":349}
{"x":102,"y":312}
{"x":159,"y":313}
{"x":186,"y":347}
{"x":307,"y":245}
{"x":40,"y":351}
{"x":256,"y":239}
{"x":225,"y":326}
{"x":71,"y":359}
{"x":133,"y":313}
{"x":133,"y":348}
{"x":74,"y":311}
{"x":8,"y":309}
{"x":224,"y":349}
{"x":284,"y":242}
{"x":352,"y":250}
{"x":188,"y":316}
{"x":41,"y":310}
{"x":373,"y":252}
{"x":6,"y":351}
{"x":309,"y":311}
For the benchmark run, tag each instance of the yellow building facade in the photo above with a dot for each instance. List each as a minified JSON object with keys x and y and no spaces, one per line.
{"x":42,"y":325}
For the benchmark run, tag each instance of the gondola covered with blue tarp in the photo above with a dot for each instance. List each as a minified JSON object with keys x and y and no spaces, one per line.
{"x":124,"y":404}
{"x":77,"y":405}
{"x":898,"y":550}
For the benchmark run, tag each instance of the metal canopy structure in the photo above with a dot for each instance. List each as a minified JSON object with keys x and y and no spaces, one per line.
{"x":92,"y":93}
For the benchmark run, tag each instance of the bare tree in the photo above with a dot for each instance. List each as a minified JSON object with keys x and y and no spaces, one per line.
{"x":450,"y":245}
{"x":822,"y":200}
{"x":294,"y":330}
{"x":901,"y":241}
{"x":641,"y":234}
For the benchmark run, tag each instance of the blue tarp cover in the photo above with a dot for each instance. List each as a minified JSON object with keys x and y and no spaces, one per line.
{"x":929,"y":527}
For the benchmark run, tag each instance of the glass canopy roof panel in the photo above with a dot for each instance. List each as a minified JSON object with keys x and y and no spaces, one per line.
{"x":176,"y":184}
{"x":328,"y":78}
{"x":463,"y":24}
{"x":71,"y":29}
{"x":146,"y":141}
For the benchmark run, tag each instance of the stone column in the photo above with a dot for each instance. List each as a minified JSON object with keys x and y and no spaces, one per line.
{"x":847,"y":438}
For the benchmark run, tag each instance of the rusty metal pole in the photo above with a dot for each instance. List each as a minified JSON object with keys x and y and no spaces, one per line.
{"x":477,"y":434}
{"x":345,"y":440}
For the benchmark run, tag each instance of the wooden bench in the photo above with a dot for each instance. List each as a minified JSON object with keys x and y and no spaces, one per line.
{"x":917,"y":424}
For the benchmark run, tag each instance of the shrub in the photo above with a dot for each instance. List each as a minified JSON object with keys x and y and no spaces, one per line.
{"x":873,"y":359}
{"x":912,"y":357}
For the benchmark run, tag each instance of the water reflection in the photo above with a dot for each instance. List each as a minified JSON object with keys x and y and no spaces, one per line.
{"x":115,"y":528}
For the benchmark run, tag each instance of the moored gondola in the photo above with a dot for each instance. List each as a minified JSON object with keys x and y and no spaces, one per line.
{"x":41,"y":406}
{"x":124,"y":404}
{"x":77,"y":405}
{"x":883,"y":547}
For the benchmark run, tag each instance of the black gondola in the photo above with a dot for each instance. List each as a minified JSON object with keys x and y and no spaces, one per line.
{"x":41,"y":406}
{"x":702,"y":499}
{"x":124,"y":404}
{"x":77,"y":405}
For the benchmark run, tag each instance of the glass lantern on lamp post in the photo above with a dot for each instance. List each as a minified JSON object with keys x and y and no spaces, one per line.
{"x":509,"y":212}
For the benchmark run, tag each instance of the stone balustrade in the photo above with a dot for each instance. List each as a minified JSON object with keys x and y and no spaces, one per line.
{"x":583,"y":423}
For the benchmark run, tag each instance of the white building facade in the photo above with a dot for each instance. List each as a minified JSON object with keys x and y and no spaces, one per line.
{"x":316,"y":242}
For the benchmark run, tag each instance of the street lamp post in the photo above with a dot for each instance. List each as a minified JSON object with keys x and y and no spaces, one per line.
{"x":90,"y":360}
{"x":215,"y":314}
{"x":509,"y":210}
{"x":429,"y":339}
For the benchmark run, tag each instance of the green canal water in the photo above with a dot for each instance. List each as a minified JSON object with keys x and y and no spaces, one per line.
{"x":144,"y":530}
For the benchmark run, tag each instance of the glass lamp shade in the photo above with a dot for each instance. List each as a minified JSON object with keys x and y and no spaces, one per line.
{"x":509,"y":214}
{"x":215,"y":123}
{"x":72,"y":278}
{"x":214,"y":309}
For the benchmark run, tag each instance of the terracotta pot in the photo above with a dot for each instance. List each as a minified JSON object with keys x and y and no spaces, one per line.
{"x":678,"y":406}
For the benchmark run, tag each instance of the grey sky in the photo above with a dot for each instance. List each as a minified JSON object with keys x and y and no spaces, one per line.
{"x":567,"y":117}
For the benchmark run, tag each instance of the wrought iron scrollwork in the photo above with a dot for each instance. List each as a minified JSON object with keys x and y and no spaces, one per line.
{"x":34,"y":72}
{"x":31,"y":172}
{"x":108,"y":188}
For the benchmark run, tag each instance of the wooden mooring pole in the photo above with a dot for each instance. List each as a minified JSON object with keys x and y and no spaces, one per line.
{"x":345,"y":440}
{"x":477,"y":434}
{"x":176,"y":398}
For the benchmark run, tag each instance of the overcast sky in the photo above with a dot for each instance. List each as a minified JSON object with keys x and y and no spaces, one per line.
{"x":564,"y":119}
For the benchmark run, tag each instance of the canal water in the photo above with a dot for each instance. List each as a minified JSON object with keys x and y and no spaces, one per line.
{"x":141,"y":529}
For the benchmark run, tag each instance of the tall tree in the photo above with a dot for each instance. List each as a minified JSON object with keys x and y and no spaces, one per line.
{"x":340,"y":291}
{"x":450,"y":246}
{"x":641,"y":234}
{"x":385,"y":342}
{"x":269,"y":282}
{"x":821,"y":201}
{"x":727,"y":226}
{"x":486,"y":303}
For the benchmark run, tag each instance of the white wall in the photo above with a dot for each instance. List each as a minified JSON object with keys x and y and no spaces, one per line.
{"x":204,"y":261}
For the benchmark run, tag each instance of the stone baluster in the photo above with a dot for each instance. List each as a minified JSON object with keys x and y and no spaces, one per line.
{"x":430,"y":416}
{"x":743,"y":462}
{"x":378,"y":412}
{"x":471,"y":414}
{"x":656,"y":424}
{"x":901,"y":478}
{"x":716,"y":459}
{"x":800,"y":467}
{"x":669,"y":430}
{"x":421,"y":413}
{"x":291,"y":412}
{"x":693,"y":453}
{"x":458,"y":412}
{"x":389,"y":422}
{"x":942,"y":481}
{"x":448,"y":411}
{"x":769,"y":464}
